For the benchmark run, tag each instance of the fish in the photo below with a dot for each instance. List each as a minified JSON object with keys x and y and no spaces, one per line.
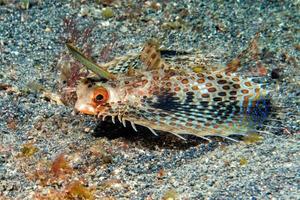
{"x":163,"y":96}
{"x":200,"y":104}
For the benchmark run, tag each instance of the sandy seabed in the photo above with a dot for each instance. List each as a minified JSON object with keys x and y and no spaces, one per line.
{"x":48,"y":151}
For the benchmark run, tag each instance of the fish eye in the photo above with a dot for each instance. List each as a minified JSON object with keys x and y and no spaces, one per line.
{"x":100,"y":95}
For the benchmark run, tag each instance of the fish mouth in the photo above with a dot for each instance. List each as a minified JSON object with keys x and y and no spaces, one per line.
{"x":86,"y":109}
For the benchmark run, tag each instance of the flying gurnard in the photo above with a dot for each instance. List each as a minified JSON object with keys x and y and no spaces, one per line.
{"x":162,"y":95}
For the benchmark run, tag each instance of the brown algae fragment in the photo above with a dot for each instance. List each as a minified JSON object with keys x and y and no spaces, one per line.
{"x":252,"y":138}
{"x":105,"y":2}
{"x":11,"y":124}
{"x":161,"y":173}
{"x":111,"y":183}
{"x":243,"y":161}
{"x":35,"y":86}
{"x":60,"y":165}
{"x":4,"y":86}
{"x":297,"y":47}
{"x":77,"y":190}
{"x":107,"y":13}
{"x":28,"y":150}
{"x":74,"y":190}
{"x":175,"y":25}
{"x":50,"y":173}
{"x":170,"y":195}
{"x":24,"y":4}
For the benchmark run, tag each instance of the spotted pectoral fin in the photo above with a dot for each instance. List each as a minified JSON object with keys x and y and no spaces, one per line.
{"x":180,"y":124}
{"x":203,"y":117}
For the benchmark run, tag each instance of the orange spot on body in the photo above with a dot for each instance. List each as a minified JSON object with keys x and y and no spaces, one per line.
{"x":145,"y":82}
{"x":169,"y":84}
{"x":208,"y":84}
{"x":235,"y":79}
{"x":244,"y":91}
{"x":226,"y":87}
{"x":195,"y":87}
{"x":248,"y":84}
{"x":200,"y":75}
{"x":210,"y":78}
{"x":212,"y":89}
{"x":201,"y":80}
{"x":177,"y":89}
{"x":222,"y":81}
{"x":219,"y":76}
{"x":205,"y":95}
{"x":236,"y":86}
{"x":185,"y":81}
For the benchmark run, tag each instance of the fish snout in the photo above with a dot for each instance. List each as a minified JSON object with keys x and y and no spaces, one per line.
{"x":86,"y":109}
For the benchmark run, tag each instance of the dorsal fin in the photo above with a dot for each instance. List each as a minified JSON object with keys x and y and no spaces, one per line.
{"x":122,"y":64}
{"x":230,"y":67}
{"x":251,"y":51}
{"x":151,"y":56}
{"x":233,"y":65}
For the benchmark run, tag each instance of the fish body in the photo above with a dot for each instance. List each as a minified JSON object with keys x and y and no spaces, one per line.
{"x":179,"y":102}
{"x":154,"y":90}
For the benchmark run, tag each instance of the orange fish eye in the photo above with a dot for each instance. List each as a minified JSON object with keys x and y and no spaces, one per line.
{"x":100,"y":95}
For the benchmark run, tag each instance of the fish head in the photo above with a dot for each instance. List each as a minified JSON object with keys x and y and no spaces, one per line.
{"x":97,"y":98}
